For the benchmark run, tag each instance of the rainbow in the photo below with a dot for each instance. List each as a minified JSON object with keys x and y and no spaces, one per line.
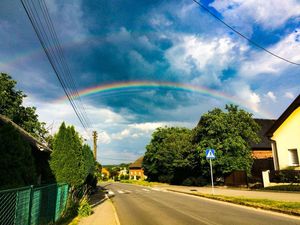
{"x":123,"y":87}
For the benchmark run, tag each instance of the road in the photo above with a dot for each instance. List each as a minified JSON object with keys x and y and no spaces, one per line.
{"x":137,"y":205}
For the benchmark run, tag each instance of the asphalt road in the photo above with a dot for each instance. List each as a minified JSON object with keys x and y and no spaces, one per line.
{"x":137,"y":205}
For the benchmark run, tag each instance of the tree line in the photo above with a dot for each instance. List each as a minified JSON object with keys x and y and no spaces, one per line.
{"x":177,"y":155}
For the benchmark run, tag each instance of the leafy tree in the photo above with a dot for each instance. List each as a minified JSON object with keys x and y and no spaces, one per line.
{"x":71,"y":161}
{"x":229,"y":133}
{"x":17,"y":166}
{"x":11,"y":101}
{"x":169,"y":155}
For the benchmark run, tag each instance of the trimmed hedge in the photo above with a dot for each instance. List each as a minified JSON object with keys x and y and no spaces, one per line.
{"x":284,"y":188}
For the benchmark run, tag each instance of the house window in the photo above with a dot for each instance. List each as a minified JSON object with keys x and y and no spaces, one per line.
{"x":293,"y":157}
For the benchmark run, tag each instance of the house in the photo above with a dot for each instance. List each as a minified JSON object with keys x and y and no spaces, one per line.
{"x":136,"y":171}
{"x":262,"y":151}
{"x":285,"y":138}
{"x":105,"y":173}
{"x":40,"y":151}
{"x":123,"y":171}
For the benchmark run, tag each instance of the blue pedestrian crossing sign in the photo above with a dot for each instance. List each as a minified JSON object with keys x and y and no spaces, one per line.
{"x":210,"y":154}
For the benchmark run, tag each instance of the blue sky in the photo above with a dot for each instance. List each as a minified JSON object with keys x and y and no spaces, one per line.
{"x":171,"y":41}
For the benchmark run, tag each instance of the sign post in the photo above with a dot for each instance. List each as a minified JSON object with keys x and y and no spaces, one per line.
{"x":210,"y":154}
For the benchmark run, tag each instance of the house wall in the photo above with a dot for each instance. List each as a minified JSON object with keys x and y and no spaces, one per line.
{"x":133,"y":173}
{"x":287,"y":136}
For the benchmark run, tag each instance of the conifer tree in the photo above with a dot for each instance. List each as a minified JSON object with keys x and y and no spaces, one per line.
{"x":70,"y":161}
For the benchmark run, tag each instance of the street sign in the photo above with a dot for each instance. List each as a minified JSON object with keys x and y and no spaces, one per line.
{"x":210,"y":154}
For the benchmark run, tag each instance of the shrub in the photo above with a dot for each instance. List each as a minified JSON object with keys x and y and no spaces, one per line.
{"x":85,"y":209}
{"x":187,"y":182}
{"x":290,"y":187}
{"x":195,"y":181}
{"x":285,"y":176}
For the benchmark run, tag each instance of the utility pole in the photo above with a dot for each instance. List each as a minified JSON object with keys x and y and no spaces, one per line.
{"x":95,"y":136}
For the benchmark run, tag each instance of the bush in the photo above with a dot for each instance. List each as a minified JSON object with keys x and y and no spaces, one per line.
{"x":85,"y":209}
{"x":285,"y":176}
{"x":195,"y":181}
{"x":165,"y":179}
{"x":284,"y":188}
{"x":17,"y":166}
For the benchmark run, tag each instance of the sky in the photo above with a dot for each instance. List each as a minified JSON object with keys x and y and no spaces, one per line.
{"x":195,"y":62}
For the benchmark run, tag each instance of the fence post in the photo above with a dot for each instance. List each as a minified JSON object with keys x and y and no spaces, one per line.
{"x":30,"y":204}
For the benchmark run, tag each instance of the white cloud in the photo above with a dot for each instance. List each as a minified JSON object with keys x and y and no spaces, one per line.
{"x":271,"y":96}
{"x":104,"y":137}
{"x":146,"y":127}
{"x":204,"y":59}
{"x":263,"y":63}
{"x":268,"y":13}
{"x":121,"y":135}
{"x":289,"y":95}
{"x":245,"y":94}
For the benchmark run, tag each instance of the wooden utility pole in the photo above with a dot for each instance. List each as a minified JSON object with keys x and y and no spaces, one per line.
{"x":95,"y":136}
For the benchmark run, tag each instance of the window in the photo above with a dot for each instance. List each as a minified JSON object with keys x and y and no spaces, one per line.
{"x":293,"y":157}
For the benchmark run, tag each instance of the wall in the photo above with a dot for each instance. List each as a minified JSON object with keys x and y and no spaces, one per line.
{"x":287,"y":136}
{"x":133,"y":173}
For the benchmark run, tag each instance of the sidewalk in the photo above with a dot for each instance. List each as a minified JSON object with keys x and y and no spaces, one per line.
{"x":103,"y":212}
{"x":279,"y":196}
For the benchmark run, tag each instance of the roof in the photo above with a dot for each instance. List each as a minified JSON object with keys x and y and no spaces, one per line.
{"x":137,"y":163}
{"x":264,"y":143}
{"x":25,"y":135}
{"x":295,"y":104}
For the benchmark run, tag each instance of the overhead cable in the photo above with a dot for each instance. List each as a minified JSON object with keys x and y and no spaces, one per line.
{"x":38,"y":15}
{"x":243,"y":36}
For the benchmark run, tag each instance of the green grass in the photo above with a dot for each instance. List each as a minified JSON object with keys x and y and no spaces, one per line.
{"x":141,"y":182}
{"x":279,"y":206}
{"x":290,"y":187}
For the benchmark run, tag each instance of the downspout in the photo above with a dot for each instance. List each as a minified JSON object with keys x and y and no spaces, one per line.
{"x":275,"y":154}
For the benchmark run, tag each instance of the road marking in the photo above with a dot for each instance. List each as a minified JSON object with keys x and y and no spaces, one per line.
{"x":156,"y":189}
{"x":126,"y":191}
{"x":145,"y":190}
{"x":121,"y":192}
{"x":111,"y":192}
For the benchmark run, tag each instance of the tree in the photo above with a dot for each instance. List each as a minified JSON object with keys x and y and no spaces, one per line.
{"x":229,"y":133}
{"x":17,"y":166}
{"x":71,"y":161}
{"x":11,"y":101}
{"x":169,"y":155}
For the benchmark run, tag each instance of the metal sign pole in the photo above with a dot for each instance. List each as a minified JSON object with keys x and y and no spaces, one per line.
{"x":211,"y":177}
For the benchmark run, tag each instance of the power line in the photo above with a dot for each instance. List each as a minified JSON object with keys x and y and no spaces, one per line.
{"x":243,"y":36}
{"x":44,"y":29}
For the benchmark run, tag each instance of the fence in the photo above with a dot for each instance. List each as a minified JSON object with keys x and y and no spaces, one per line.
{"x":33,"y":205}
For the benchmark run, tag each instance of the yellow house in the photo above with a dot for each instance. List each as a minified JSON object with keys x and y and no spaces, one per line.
{"x":285,"y":138}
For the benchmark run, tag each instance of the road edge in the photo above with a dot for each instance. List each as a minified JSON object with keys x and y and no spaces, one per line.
{"x":290,"y":213}
{"x":115,"y":211}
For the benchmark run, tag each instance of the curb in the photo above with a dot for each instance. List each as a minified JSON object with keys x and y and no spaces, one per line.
{"x":216,"y":198}
{"x":114,"y":209}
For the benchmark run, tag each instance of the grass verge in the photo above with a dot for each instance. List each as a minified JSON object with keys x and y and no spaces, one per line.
{"x":142,"y":182}
{"x":292,"y":208}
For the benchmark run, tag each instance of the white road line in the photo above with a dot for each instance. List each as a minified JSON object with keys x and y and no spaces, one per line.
{"x":126,"y":191}
{"x":145,"y":189}
{"x":111,"y":193}
{"x":156,"y":189}
{"x":121,"y":192}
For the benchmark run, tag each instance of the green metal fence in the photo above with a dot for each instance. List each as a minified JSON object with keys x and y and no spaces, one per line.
{"x":33,"y":205}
